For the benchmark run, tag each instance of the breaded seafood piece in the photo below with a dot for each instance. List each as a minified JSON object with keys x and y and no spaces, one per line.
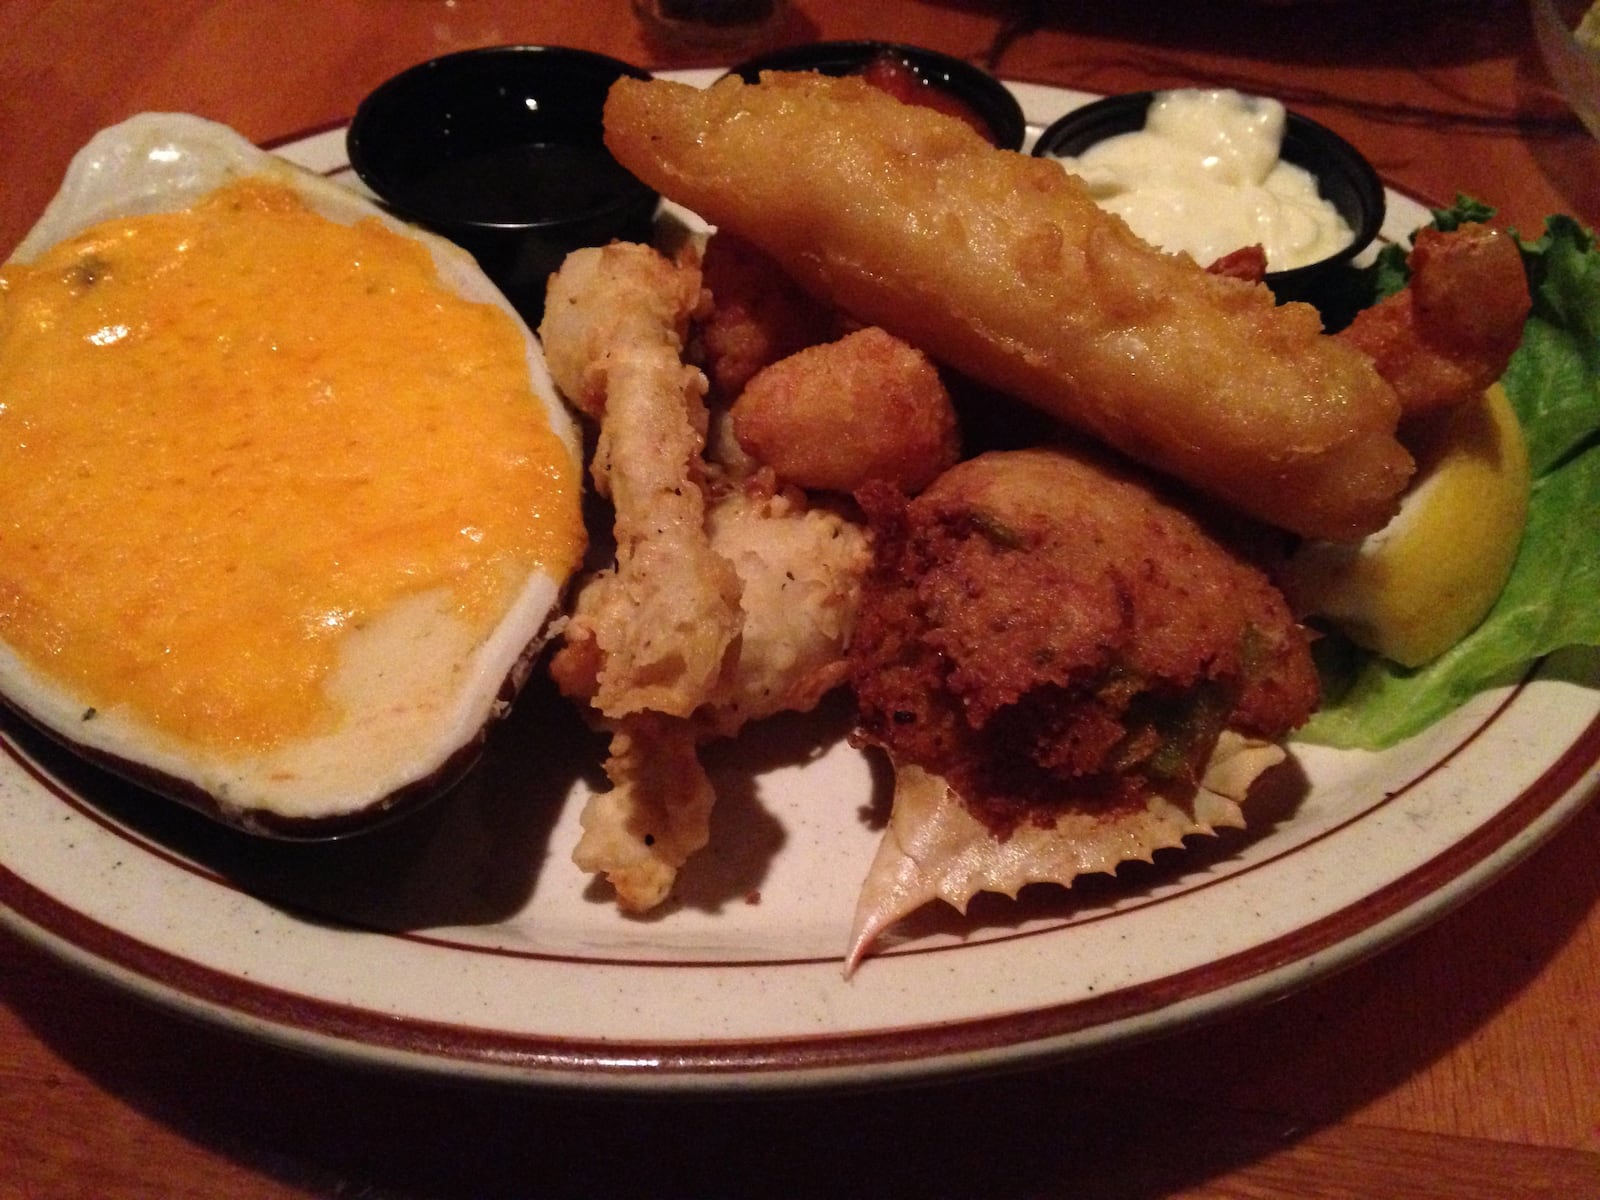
{"x":1053,"y":658}
{"x":607,"y":308}
{"x":1003,"y":267}
{"x":655,"y":816}
{"x":837,"y":416}
{"x":664,"y":617}
{"x":1449,"y":333}
{"x":724,"y":605}
{"x":757,"y":315}
{"x":800,"y":572}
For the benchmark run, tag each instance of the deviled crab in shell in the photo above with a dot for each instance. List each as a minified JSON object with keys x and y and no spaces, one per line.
{"x":290,"y":503}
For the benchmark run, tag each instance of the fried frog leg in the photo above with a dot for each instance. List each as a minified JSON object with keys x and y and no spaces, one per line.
{"x":725,"y":604}
{"x":664,"y":619}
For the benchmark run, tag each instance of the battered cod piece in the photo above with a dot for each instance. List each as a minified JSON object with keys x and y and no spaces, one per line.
{"x":834,"y":417}
{"x":1065,"y":671}
{"x":1004,"y":267}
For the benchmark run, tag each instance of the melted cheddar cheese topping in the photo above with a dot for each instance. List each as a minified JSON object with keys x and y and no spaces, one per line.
{"x":232,"y":434}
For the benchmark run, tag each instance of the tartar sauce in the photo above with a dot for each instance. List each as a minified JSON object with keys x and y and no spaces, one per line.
{"x":1204,"y":177}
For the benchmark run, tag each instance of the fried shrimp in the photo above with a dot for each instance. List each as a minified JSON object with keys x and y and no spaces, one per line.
{"x":758,"y":315}
{"x":1004,"y":268}
{"x":1449,"y":333}
{"x":1058,"y":663}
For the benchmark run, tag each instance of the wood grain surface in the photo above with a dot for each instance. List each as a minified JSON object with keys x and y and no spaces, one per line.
{"x":1463,"y":1063}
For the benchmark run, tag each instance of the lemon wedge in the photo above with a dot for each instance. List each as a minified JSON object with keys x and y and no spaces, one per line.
{"x":1423,"y":582}
{"x":1588,"y":28}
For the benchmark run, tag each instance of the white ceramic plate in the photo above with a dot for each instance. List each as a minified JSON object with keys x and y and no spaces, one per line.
{"x":463,"y":942}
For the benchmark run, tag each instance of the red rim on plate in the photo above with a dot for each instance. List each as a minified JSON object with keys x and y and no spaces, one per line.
{"x":576,"y":996}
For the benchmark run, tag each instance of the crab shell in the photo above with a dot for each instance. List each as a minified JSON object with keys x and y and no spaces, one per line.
{"x":417,"y":689}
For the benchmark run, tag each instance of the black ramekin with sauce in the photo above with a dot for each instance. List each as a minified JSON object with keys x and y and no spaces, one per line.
{"x":501,"y":150}
{"x":1343,"y":175}
{"x":910,"y":73}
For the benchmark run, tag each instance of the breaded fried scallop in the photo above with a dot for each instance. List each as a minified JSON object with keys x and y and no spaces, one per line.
{"x":837,"y":416}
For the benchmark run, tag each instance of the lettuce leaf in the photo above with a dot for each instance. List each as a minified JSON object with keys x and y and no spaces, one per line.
{"x":1552,"y":598}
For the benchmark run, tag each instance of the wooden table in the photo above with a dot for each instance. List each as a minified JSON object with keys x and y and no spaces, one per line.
{"x":1464,"y":1063}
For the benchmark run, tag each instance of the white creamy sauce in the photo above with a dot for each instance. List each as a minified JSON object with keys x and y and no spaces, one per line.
{"x":1203,"y":177}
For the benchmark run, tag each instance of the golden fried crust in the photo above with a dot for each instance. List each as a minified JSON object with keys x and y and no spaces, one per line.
{"x":1039,"y":629}
{"x":725,"y":604}
{"x":656,"y":815}
{"x":663,"y":620}
{"x":1448,"y":334}
{"x":758,"y":315}
{"x":835,"y":416}
{"x":1003,"y":266}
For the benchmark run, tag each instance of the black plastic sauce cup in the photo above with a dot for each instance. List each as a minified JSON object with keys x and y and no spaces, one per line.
{"x":501,"y":150}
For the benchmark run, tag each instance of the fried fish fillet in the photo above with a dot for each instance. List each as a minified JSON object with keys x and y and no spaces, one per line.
{"x":1003,"y":267}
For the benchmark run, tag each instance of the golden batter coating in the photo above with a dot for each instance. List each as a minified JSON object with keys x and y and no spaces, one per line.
{"x":1449,"y":333}
{"x":1065,"y":671}
{"x":757,"y":315}
{"x":1043,"y":630}
{"x":726,"y":603}
{"x":836,"y":416}
{"x":666,"y":615}
{"x":1003,"y":267}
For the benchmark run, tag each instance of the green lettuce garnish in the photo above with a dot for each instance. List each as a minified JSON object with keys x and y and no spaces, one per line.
{"x":1552,"y":599}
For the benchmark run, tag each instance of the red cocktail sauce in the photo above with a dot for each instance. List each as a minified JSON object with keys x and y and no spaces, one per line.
{"x":891,"y":73}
